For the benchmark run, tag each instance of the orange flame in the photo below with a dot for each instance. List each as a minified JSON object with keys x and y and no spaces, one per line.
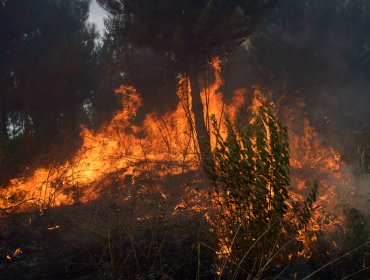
{"x":166,"y":145}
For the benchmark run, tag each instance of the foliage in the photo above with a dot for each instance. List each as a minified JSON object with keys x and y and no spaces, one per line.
{"x":152,"y":74}
{"x":357,"y":235}
{"x":189,"y":32}
{"x":250,"y":174}
{"x":358,"y":231}
{"x":198,"y":27}
{"x":308,"y":206}
{"x":344,"y":253}
{"x":48,"y":64}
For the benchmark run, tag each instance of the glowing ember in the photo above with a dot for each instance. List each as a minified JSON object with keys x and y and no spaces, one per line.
{"x":53,"y":228}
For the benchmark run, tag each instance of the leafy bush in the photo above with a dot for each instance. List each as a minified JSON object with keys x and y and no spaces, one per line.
{"x":250,"y":174}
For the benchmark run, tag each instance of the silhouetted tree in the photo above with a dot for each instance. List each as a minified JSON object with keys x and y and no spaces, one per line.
{"x":189,"y":31}
{"x":47,"y":55}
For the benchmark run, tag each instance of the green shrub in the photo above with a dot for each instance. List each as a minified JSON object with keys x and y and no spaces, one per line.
{"x":249,"y":170}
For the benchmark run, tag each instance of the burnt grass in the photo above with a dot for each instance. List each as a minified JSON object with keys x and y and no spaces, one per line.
{"x":157,"y":248}
{"x":132,"y":231}
{"x":148,"y":235}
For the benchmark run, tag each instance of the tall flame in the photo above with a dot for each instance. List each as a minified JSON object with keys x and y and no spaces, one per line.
{"x":165,"y":145}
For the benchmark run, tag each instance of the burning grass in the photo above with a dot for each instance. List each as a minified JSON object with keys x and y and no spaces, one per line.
{"x":134,"y":203}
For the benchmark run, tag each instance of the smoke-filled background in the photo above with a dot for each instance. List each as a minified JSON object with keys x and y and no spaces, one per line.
{"x":319,"y":52}
{"x":311,"y":50}
{"x":105,"y":133}
{"x":60,"y":65}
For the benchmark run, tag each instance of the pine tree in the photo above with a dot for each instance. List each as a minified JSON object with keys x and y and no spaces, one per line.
{"x":191,"y":31}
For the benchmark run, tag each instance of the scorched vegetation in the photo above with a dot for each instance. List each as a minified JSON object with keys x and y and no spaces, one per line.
{"x":206,"y":139}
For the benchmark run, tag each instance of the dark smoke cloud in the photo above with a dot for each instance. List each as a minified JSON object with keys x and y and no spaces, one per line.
{"x":318,"y":51}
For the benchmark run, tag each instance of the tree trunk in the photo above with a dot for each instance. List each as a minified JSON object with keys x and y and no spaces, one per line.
{"x":203,"y":136}
{"x":26,"y":125}
{"x":52,"y":123}
{"x":4,"y":124}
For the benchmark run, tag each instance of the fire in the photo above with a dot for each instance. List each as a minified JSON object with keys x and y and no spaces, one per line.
{"x":16,"y":254}
{"x":119,"y":145}
{"x":166,"y":145}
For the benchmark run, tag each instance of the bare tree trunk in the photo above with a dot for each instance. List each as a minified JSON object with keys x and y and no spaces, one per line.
{"x":203,"y":136}
{"x":4,"y":124}
{"x":26,"y":125}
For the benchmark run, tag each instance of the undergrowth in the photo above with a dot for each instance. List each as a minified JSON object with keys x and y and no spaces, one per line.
{"x":135,"y":231}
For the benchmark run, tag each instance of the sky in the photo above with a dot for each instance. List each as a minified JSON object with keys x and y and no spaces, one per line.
{"x":97,"y":15}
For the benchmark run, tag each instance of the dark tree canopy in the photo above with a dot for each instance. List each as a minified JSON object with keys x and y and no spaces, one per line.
{"x":199,"y":28}
{"x":190,"y":32}
{"x":47,"y":55}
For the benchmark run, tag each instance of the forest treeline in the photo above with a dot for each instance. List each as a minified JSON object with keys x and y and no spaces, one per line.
{"x":57,"y":73}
